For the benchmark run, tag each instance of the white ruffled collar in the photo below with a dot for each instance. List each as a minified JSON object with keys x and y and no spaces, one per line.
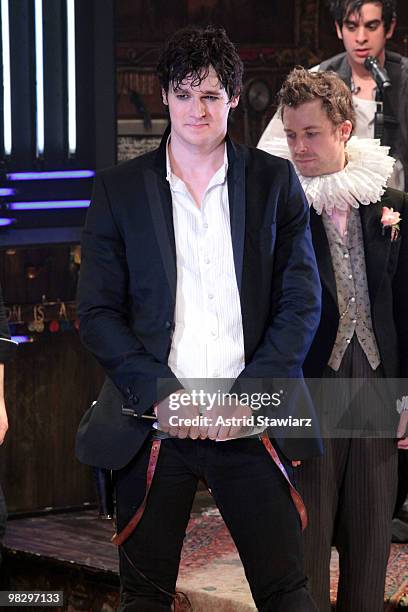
{"x":362,"y":181}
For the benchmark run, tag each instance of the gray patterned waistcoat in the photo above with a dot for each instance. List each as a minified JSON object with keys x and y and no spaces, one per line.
{"x":352,"y":291}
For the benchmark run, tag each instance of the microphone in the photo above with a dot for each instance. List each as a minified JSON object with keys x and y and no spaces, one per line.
{"x":377,"y":71}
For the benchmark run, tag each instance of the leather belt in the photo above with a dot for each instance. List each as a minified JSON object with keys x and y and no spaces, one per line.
{"x":296,"y":498}
{"x":119,"y":538}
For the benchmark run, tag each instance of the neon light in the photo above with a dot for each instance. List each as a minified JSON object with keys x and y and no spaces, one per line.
{"x":6,"y":222}
{"x":49,"y":205}
{"x":55,"y":174}
{"x":6,"y":192}
{"x":5,"y":45}
{"x":71,"y":77}
{"x":21,"y":339}
{"x":39,"y":76}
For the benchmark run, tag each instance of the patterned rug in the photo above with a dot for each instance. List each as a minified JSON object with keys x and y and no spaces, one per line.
{"x":210,"y":565}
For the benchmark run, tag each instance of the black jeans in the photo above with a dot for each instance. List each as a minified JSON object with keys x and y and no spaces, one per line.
{"x":254,"y":501}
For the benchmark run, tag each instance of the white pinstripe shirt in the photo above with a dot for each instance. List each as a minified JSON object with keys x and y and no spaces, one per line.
{"x":208,"y":339}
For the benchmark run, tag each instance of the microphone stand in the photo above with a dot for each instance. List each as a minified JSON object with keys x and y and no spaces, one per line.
{"x":379,"y":115}
{"x":383,"y":81}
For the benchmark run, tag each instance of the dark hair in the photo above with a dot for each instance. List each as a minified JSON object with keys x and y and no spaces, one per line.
{"x":303,"y":86}
{"x":191,"y":51}
{"x":342,"y":9}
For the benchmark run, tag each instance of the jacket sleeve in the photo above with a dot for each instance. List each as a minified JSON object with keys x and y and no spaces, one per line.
{"x":103,"y":311}
{"x":403,"y":119}
{"x":7,"y":345}
{"x":400,"y":293}
{"x":295,"y":302}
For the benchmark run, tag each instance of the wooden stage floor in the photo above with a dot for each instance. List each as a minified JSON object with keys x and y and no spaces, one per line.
{"x":72,"y":552}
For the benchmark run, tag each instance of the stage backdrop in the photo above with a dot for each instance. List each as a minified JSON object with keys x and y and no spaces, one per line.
{"x":272,"y":37}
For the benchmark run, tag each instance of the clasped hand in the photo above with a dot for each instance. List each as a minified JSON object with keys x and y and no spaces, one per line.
{"x":219,"y":423}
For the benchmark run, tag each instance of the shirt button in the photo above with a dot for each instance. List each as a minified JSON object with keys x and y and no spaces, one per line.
{"x":213,"y":333}
{"x":168,"y":325}
{"x":206,"y":261}
{"x":210,"y":296}
{"x":348,"y":340}
{"x":205,"y":225}
{"x":350,"y":276}
{"x":346,"y":255}
{"x":353,"y":299}
{"x":354,"y":321}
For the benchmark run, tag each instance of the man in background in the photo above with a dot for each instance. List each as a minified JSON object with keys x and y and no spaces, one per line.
{"x":359,"y":230}
{"x":365,"y":26}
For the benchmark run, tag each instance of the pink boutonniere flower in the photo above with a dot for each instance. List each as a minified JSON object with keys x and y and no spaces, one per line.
{"x":391,"y":218}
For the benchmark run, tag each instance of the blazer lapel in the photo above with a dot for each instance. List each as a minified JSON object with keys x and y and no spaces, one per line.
{"x":323,"y":255}
{"x":376,"y":248}
{"x":159,"y":198}
{"x":237,"y":201}
{"x":344,"y":71}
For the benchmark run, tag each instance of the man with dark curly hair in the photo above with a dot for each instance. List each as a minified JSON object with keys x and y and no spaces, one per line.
{"x":198,"y":264}
{"x":365,"y":26}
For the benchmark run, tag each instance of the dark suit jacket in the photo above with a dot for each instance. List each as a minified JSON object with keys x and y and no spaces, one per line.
{"x":387,"y":277}
{"x":395,"y":101}
{"x":127,"y":289}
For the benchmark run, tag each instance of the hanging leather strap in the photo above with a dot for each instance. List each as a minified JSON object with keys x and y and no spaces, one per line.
{"x":119,"y":538}
{"x":297,"y":500}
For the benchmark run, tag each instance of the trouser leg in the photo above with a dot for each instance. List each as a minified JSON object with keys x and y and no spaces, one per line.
{"x":320,"y":480}
{"x":366,"y":505}
{"x":364,"y":529}
{"x":154,"y":547}
{"x":255,"y":502}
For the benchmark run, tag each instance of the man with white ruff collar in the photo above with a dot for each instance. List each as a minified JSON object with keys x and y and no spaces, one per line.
{"x":359,"y":229}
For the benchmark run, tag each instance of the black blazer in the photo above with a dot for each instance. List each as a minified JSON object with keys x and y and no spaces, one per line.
{"x":127,"y":289}
{"x":387,"y":277}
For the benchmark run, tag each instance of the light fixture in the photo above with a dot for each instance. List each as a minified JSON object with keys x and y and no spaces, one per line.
{"x":6,"y":222}
{"x":71,"y":78}
{"x":39,"y":76}
{"x":48,"y":205}
{"x":5,"y":46}
{"x":21,"y":339}
{"x":54,"y":174}
{"x":6,"y":192}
